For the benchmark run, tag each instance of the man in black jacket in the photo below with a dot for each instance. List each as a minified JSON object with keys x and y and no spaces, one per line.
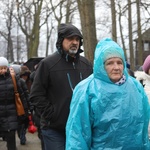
{"x":55,"y":79}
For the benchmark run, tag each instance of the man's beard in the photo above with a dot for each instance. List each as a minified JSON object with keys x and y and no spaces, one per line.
{"x":72,"y":51}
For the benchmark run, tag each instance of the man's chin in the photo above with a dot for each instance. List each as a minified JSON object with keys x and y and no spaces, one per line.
{"x":72,"y":52}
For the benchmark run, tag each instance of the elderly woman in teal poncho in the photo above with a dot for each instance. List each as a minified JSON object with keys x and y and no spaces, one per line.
{"x":109,"y":109}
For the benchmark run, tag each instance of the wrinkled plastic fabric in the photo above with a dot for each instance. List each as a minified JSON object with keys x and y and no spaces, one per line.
{"x":106,"y":116}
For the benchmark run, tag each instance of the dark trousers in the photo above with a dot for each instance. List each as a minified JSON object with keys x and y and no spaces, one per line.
{"x":53,"y":140}
{"x":22,"y":133}
{"x":22,"y":127}
{"x":10,"y":139}
{"x":41,"y":138}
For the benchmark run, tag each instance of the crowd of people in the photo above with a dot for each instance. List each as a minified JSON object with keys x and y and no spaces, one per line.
{"x":76,"y":104}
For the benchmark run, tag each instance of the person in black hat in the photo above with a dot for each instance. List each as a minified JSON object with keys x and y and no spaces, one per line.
{"x":55,"y":78}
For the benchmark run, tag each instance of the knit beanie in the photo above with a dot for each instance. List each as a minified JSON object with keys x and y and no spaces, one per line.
{"x":3,"y":61}
{"x":146,"y":64}
{"x":112,"y":53}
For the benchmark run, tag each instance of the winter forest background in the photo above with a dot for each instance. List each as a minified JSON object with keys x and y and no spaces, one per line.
{"x":28,"y":28}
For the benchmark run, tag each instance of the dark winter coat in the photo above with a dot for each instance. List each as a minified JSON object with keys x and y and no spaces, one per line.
{"x":51,"y":92}
{"x":8,"y":113}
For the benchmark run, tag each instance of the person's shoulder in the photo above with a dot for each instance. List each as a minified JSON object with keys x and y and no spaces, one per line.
{"x":51,"y":59}
{"x":22,"y":80}
{"x":85,"y":60}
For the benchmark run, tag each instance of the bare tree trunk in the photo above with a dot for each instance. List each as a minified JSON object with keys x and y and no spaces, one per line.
{"x":113,"y":16}
{"x":69,"y":10}
{"x":140,"y":49}
{"x":87,"y":15}
{"x":132,"y":63}
{"x":32,"y":37}
{"x":48,"y":35}
{"x":10,"y":55}
{"x":121,"y":33}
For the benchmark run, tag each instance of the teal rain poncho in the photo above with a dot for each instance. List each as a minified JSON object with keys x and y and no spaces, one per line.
{"x":107,"y":116}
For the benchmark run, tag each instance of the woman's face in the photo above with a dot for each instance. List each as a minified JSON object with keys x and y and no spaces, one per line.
{"x":3,"y":69}
{"x":114,"y":68}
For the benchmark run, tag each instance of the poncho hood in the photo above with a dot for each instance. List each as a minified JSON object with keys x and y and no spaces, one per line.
{"x":104,"y":49}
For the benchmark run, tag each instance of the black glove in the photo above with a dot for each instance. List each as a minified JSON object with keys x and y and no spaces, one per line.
{"x":22,"y":119}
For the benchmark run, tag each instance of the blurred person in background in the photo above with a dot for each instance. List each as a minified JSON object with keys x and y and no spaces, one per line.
{"x":23,"y":73}
{"x":143,"y":76}
{"x":26,"y":85}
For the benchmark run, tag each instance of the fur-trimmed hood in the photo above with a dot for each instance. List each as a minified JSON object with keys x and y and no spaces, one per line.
{"x":145,"y":80}
{"x":141,"y":75}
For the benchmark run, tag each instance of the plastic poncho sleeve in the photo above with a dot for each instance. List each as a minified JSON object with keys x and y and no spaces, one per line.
{"x":79,"y":121}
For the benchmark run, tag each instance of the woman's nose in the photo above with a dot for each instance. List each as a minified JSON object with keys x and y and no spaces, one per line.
{"x":116,"y":66}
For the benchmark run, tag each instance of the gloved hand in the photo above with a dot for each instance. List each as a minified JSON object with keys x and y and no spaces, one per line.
{"x":22,"y":119}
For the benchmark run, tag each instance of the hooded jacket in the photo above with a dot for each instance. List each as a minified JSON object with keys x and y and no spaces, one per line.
{"x":54,"y":81}
{"x":107,"y":116}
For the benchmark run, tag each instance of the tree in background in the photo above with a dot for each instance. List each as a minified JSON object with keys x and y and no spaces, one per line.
{"x":62,"y":12}
{"x":124,"y":10}
{"x":29,"y":20}
{"x":120,"y":16}
{"x":8,"y":13}
{"x":113,"y":19}
{"x":132,"y":64}
{"x":140,"y":50}
{"x":39,"y":19}
{"x":87,"y":17}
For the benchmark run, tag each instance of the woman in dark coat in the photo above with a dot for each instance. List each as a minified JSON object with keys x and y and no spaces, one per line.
{"x":8,"y":113}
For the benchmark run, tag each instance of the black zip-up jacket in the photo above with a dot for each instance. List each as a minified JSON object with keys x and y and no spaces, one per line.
{"x":53,"y":85}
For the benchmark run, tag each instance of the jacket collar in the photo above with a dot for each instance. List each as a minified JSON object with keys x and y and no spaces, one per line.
{"x":68,"y":58}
